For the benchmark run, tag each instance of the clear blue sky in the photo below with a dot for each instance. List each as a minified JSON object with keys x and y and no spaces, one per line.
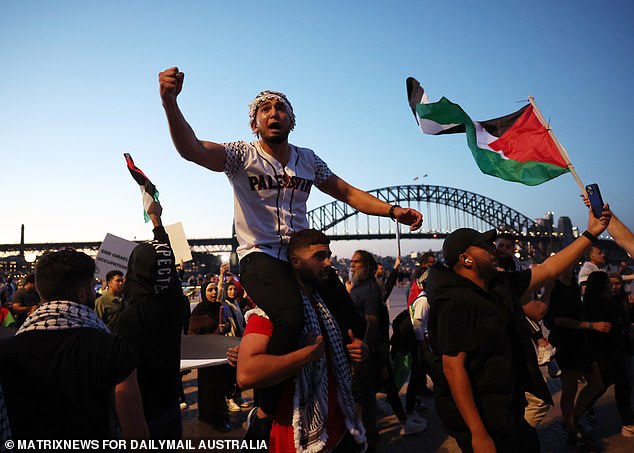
{"x":79,"y":88}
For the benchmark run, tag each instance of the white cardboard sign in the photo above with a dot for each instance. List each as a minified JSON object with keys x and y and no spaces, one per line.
{"x":113,"y":255}
{"x":179,"y":243}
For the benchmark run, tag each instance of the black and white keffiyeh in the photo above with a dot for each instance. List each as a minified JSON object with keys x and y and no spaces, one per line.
{"x":310,"y":404}
{"x":62,"y":315}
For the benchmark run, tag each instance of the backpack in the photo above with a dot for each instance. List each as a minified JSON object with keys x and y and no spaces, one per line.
{"x":402,"y":333}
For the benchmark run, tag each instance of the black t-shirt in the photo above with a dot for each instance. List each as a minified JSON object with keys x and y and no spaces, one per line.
{"x":367,"y":299}
{"x":481,"y":324}
{"x":486,"y":325}
{"x":60,"y":384}
{"x":565,"y":302}
{"x":27,"y":298}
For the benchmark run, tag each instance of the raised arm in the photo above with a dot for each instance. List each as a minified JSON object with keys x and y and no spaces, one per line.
{"x":207,"y":154}
{"x":557,"y":263}
{"x":622,"y":235}
{"x":368,"y":204}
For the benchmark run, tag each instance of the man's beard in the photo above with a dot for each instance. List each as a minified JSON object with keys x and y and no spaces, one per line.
{"x":357,"y":276}
{"x":317,"y":281}
{"x":488,"y":272}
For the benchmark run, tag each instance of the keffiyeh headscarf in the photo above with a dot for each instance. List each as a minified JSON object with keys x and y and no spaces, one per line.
{"x":62,"y":315}
{"x":310,"y":404}
{"x":268,"y":95}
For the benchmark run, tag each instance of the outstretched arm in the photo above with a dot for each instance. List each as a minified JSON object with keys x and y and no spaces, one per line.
{"x":555,"y":265}
{"x":207,"y":154}
{"x":368,"y":204}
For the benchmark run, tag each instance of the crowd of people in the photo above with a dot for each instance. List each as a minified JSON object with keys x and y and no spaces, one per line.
{"x":315,"y":346}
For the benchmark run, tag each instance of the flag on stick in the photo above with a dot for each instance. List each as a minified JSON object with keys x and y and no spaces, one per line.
{"x":398,"y":239}
{"x":516,"y":147}
{"x":148,"y":190}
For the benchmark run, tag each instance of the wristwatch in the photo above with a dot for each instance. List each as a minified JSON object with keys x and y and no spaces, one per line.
{"x":391,"y":213}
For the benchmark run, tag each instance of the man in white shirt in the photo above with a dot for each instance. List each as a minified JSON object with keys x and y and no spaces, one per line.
{"x":271,"y":179}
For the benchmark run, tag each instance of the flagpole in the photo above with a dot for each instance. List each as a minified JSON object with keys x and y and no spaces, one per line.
{"x":398,"y":239}
{"x":560,"y":147}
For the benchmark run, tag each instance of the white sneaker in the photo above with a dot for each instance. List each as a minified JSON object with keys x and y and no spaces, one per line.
{"x":411,"y":427}
{"x":232,"y":406}
{"x":544,"y":353}
{"x":242,"y":403}
{"x":627,"y":431}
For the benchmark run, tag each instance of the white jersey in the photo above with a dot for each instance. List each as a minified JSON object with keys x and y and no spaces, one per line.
{"x":270,"y":198}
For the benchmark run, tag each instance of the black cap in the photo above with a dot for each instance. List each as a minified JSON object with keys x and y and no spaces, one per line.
{"x":461,"y":239}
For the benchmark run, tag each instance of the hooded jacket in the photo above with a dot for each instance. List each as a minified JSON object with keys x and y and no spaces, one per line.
{"x":152,"y":321}
{"x":489,"y":327}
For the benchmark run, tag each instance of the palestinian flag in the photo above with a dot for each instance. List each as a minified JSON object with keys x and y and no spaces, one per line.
{"x":148,"y":190}
{"x":515,"y":147}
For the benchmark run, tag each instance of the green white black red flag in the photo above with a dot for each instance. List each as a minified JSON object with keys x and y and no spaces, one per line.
{"x":516,"y":147}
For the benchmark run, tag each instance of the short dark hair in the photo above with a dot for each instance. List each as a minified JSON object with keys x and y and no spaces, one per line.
{"x":112,"y":274}
{"x":589,"y":251}
{"x":425,"y":256}
{"x":507,"y":236}
{"x":58,"y":275}
{"x":595,"y":284}
{"x":305,"y":238}
{"x":368,"y":262}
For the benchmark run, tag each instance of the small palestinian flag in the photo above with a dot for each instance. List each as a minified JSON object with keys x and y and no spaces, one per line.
{"x":148,"y":190}
{"x":515,"y":147}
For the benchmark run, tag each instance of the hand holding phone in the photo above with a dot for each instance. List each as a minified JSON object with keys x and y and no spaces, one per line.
{"x":596,"y":200}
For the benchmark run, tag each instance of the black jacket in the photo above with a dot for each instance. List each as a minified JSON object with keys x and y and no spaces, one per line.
{"x":490,"y":327}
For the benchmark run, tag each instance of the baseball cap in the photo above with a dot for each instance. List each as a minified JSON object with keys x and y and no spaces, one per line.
{"x":461,"y":239}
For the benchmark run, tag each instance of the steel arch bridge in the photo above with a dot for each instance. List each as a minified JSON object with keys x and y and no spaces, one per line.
{"x":452,"y":208}
{"x":461,"y":209}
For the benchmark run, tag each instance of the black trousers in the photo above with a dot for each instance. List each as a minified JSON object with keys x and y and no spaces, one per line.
{"x":272,"y":286}
{"x":212,"y":407}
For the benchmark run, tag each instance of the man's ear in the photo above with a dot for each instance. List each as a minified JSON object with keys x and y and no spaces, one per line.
{"x":296,"y":262}
{"x":82,"y":296}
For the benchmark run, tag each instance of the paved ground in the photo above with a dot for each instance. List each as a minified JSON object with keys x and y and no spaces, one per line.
{"x":606,"y":432}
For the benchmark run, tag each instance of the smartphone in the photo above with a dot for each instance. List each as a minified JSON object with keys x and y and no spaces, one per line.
{"x":596,"y":200}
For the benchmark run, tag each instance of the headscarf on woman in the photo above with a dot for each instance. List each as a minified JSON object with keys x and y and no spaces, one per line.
{"x":232,"y":315}
{"x":205,"y":318}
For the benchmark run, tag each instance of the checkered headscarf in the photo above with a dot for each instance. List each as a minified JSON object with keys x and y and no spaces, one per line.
{"x":62,"y":315}
{"x":310,"y":403}
{"x":267,"y":95}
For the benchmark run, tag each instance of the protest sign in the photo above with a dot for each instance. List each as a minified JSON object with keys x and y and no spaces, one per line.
{"x":113,"y":255}
{"x":179,"y":243}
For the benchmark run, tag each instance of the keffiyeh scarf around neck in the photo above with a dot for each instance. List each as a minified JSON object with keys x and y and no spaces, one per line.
{"x":62,"y":315}
{"x":310,"y":404}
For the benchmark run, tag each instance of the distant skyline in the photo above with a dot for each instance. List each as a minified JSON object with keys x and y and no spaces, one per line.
{"x":80,"y":88}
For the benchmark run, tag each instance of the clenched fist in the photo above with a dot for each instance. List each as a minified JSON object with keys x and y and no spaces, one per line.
{"x":171,"y":83}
